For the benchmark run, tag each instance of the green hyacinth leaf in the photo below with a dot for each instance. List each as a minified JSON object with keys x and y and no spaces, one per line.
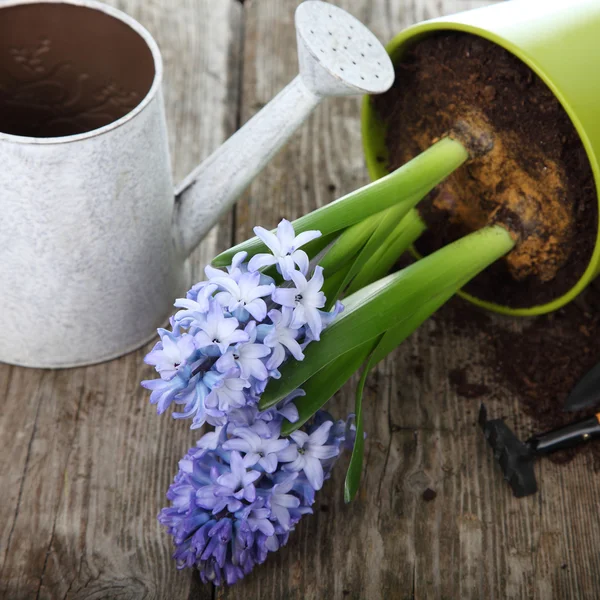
{"x":348,"y":245}
{"x":390,"y":340}
{"x":321,"y":387}
{"x":315,"y":247}
{"x":329,"y":380}
{"x":354,"y":472}
{"x":390,"y":302}
{"x":332,"y":285}
{"x":404,"y":235}
{"x":409,"y":183}
{"x":386,"y":222}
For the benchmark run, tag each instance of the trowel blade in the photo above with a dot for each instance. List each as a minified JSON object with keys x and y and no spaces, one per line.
{"x":586,"y":394}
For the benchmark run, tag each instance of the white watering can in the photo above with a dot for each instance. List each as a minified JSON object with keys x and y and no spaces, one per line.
{"x":93,"y":241}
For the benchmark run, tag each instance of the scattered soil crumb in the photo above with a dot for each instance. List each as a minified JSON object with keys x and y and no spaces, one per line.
{"x":429,"y":495}
{"x":459,"y":380}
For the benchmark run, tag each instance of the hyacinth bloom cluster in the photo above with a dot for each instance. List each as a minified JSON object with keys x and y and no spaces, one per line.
{"x":243,"y":488}
{"x":230,"y":508}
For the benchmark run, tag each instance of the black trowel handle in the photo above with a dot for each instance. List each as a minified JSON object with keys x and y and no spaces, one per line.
{"x":566,"y":437}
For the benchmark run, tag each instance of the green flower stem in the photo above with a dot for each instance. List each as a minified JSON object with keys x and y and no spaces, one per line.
{"x":348,"y":245}
{"x":404,"y":235}
{"x":315,"y":247}
{"x":333,"y":283}
{"x":386,"y":222}
{"x":393,"y":303}
{"x":321,"y":387}
{"x":390,"y":340}
{"x":409,"y":183}
{"x":358,"y":451}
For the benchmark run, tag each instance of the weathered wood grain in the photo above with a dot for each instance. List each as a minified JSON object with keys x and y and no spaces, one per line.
{"x":86,"y":462}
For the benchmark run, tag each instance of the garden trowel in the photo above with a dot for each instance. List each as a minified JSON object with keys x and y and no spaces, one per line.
{"x":516,"y":457}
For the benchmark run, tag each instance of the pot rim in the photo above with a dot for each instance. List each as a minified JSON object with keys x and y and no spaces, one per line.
{"x":136,"y":27}
{"x":373,"y":144}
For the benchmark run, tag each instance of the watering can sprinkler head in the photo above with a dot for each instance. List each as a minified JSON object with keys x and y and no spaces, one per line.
{"x":338,"y":56}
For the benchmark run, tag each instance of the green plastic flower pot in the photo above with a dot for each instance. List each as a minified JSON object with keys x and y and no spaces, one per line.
{"x":560,"y":41}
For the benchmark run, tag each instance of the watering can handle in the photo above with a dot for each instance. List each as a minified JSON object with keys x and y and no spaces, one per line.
{"x":209,"y":191}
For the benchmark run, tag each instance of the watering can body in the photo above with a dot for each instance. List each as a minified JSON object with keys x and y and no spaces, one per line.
{"x":88,"y":262}
{"x":94,"y":238}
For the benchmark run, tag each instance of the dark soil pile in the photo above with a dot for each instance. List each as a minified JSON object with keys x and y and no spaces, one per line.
{"x":540,"y":366}
{"x":533,"y":176}
{"x":543,"y":365}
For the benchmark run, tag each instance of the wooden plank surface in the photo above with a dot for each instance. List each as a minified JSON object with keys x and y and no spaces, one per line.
{"x":87,"y":462}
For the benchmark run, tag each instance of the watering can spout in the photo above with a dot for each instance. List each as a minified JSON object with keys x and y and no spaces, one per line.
{"x":209,"y":191}
{"x":338,"y":56}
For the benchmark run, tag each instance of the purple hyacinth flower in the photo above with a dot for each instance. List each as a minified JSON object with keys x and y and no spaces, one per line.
{"x":226,"y":391}
{"x":326,"y":319}
{"x":242,"y":417}
{"x":213,"y":439}
{"x":195,"y":305}
{"x":285,"y":249}
{"x":281,"y":501}
{"x":256,"y":515}
{"x":281,"y":336}
{"x":194,"y":404}
{"x":287,"y":409}
{"x":164,"y":393}
{"x":171,"y":354}
{"x":246,"y":294}
{"x":239,"y":482}
{"x":264,"y":451}
{"x":312,"y":449}
{"x":225,"y":517}
{"x":219,"y":537}
{"x":218,"y":330}
{"x":247,"y":357}
{"x":208,"y":498}
{"x":235,"y":270}
{"x":306,"y":298}
{"x":258,"y":519}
